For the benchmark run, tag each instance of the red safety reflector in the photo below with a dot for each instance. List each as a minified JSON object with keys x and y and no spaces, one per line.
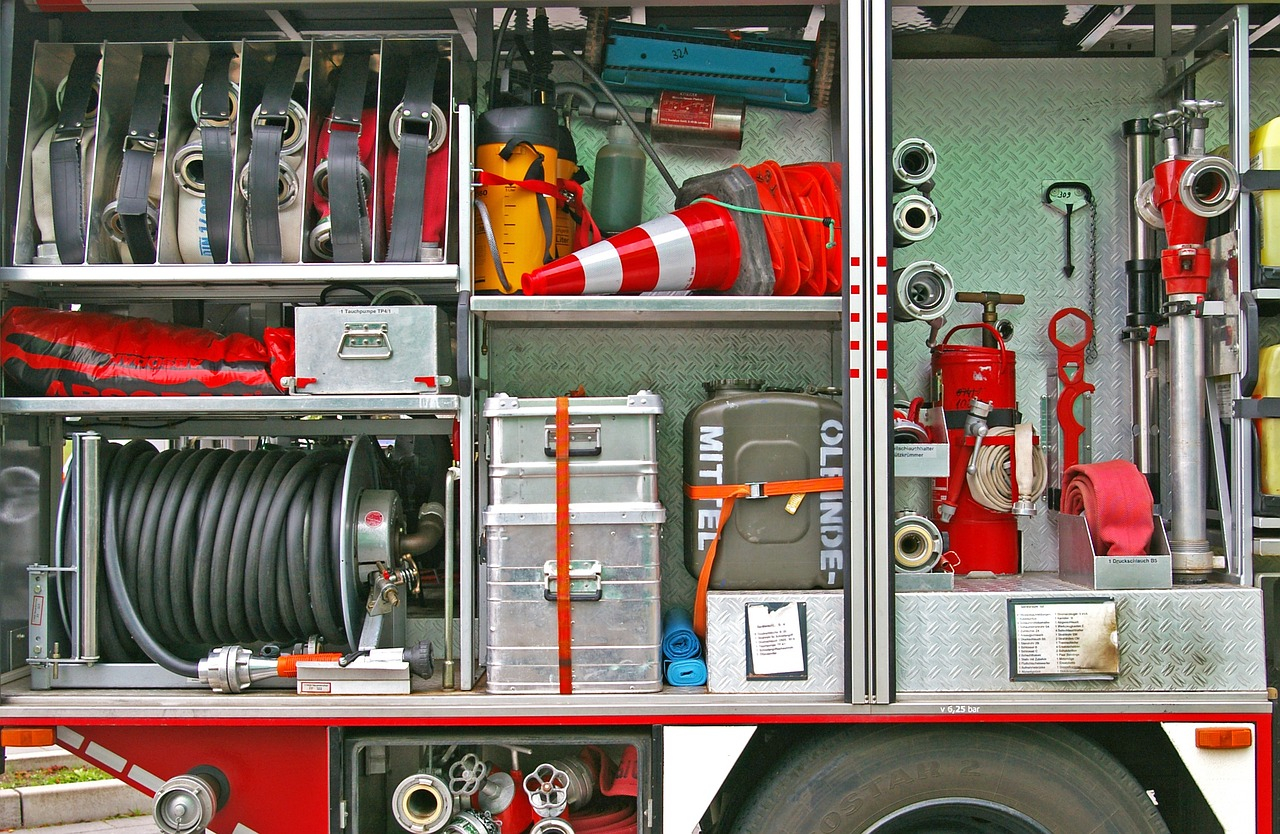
{"x":882,"y":373}
{"x":1224,"y":738}
{"x":855,"y":261}
{"x":881,"y":260}
{"x":26,"y":737}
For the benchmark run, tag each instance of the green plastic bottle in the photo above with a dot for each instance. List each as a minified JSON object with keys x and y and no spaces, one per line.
{"x":617,"y":196}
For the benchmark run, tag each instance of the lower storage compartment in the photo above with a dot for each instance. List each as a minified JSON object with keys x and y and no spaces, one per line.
{"x":465,"y":783}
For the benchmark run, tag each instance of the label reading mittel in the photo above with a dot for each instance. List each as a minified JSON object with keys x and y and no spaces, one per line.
{"x":685,"y":110}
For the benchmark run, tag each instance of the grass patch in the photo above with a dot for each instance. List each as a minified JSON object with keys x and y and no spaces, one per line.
{"x":56,"y":775}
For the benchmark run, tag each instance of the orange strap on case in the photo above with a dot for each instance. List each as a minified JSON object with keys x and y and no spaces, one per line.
{"x":563,"y":614}
{"x":730,"y":493}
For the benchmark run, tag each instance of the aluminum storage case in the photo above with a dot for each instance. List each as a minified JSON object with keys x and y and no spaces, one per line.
{"x":372,"y":350}
{"x":617,"y":613}
{"x":613,"y":452}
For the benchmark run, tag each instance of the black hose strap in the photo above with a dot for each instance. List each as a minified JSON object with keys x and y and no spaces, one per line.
{"x":266,"y":141}
{"x":411,"y":171}
{"x":146,"y":121}
{"x":65,"y":174}
{"x":215,"y":147}
{"x":348,"y":200}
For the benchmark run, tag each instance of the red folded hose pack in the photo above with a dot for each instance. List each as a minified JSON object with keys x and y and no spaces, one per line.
{"x":62,"y":354}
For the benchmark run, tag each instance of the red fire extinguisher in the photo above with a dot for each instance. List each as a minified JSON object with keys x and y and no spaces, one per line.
{"x":977,"y":389}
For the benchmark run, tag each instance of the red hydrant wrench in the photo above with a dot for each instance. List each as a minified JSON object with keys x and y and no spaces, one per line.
{"x":1071,"y":375}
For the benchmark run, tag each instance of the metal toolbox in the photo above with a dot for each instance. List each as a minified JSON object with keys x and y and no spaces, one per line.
{"x":775,"y":641}
{"x":613,"y":448}
{"x":372,"y":350}
{"x":617,"y":616}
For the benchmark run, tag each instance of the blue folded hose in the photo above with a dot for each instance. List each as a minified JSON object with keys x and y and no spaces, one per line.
{"x":678,"y":640}
{"x":687,"y":672}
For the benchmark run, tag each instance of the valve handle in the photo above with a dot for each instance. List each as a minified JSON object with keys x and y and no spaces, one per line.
{"x":467,"y":775}
{"x":548,"y":790}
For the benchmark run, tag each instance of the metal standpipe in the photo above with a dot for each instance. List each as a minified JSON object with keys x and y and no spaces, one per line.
{"x":1143,"y":271}
{"x":1188,"y":530}
{"x":86,"y":447}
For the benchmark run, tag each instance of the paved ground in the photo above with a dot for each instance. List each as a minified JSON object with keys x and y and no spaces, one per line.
{"x":132,"y":825}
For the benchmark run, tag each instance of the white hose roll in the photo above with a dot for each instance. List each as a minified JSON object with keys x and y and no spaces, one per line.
{"x":915,"y":217}
{"x":917,"y":543}
{"x":990,"y":484}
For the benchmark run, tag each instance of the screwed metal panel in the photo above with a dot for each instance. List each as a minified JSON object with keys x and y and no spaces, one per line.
{"x":726,"y":648}
{"x":541,"y":360}
{"x":1009,"y":126}
{"x":1206,"y":639}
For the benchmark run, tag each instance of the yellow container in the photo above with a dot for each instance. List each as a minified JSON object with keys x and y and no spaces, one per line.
{"x":1269,"y":428}
{"x":517,"y":144}
{"x":1264,"y":152}
{"x":566,"y":171}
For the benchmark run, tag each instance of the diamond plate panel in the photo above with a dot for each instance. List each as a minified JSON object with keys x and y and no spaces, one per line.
{"x":1021,"y":123}
{"x":543,"y":360}
{"x":727,"y":646}
{"x":1205,"y":639}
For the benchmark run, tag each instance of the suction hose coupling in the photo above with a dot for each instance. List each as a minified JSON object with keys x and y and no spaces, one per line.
{"x":422,"y":803}
{"x":186,"y":804}
{"x":924,"y":291}
{"x":914,"y":163}
{"x":915,"y":217}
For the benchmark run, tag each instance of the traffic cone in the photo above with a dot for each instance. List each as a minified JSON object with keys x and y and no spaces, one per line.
{"x":693,"y":248}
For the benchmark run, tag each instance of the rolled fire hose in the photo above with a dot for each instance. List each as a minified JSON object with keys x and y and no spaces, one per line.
{"x":405,"y":244}
{"x":67,"y":160}
{"x":215,"y":117}
{"x":133,"y":219}
{"x":49,"y":210}
{"x":274,"y":233}
{"x":988,"y":472}
{"x":203,"y":168}
{"x":917,"y":543}
{"x":42,"y":190}
{"x":1115,"y":499}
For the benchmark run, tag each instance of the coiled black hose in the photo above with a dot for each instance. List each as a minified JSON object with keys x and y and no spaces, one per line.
{"x":210,"y":547}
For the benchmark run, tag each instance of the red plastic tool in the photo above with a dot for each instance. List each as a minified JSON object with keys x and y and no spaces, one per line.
{"x":1071,"y":375}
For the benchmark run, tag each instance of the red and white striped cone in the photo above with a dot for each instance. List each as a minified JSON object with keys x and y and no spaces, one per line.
{"x":693,"y":248}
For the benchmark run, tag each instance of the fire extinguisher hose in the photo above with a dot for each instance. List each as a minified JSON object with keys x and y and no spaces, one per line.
{"x":211,"y":546}
{"x":991,"y":485}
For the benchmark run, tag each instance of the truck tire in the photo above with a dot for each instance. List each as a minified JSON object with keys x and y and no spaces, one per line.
{"x":1024,"y":779}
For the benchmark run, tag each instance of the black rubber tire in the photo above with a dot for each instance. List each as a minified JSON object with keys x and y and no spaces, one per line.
{"x":854,"y":780}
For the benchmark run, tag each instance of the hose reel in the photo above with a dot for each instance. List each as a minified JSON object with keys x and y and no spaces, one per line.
{"x":215,"y":547}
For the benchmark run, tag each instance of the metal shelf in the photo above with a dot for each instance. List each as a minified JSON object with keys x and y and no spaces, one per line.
{"x":693,"y":309}
{"x":246,"y":282}
{"x":254,"y":276}
{"x":439,"y":405}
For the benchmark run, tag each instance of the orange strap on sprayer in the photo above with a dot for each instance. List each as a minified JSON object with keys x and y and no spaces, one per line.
{"x":730,"y":493}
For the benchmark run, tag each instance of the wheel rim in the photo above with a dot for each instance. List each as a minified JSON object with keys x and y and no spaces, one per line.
{"x":957,"y":815}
